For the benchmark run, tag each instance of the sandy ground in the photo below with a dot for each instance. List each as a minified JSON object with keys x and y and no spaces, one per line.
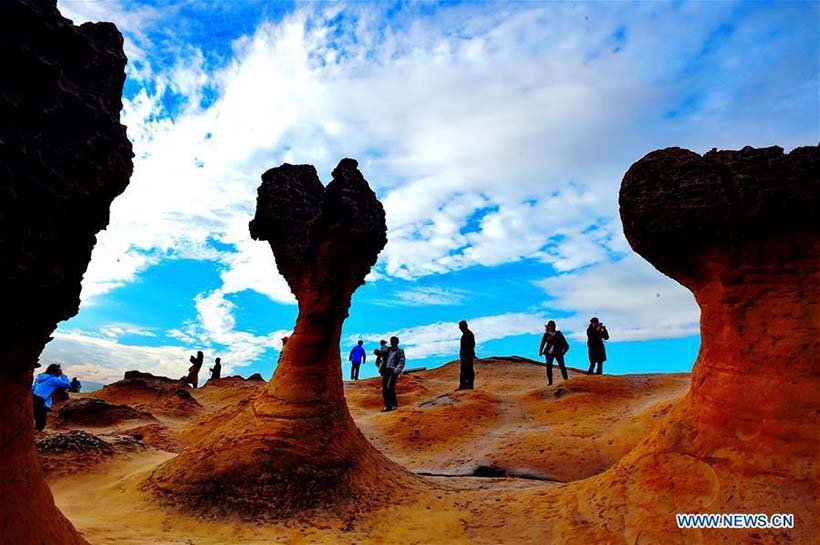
{"x":531,"y":437}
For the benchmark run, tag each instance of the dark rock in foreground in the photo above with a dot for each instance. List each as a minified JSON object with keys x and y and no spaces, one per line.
{"x":64,"y":156}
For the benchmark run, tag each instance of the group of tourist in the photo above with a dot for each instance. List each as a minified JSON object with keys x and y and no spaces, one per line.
{"x":554,"y":345}
{"x":390,"y":359}
{"x":390,"y":363}
{"x":192,"y":378}
{"x":52,"y":380}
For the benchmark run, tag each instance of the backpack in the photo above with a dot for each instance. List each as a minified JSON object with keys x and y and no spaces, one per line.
{"x":566,"y":343}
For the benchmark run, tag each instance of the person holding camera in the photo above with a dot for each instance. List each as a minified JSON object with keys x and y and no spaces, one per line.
{"x":596,"y":335}
{"x":41,"y":391}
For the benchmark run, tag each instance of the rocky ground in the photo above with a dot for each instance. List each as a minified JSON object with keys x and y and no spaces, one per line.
{"x":492,"y":457}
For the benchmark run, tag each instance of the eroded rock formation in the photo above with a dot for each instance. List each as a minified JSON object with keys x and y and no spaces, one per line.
{"x":741,"y":230}
{"x":296,"y":448}
{"x":89,"y":412}
{"x":64,"y":156}
{"x":150,"y":393}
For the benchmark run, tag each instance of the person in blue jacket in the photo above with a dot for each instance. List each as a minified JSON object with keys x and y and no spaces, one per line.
{"x":357,"y":358}
{"x":44,"y":385}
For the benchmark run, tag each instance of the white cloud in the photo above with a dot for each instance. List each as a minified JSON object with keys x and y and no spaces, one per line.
{"x":101,"y":356}
{"x":104,"y":359}
{"x":634,"y":301}
{"x":491,"y":133}
{"x":253,"y":267}
{"x":442,"y":338}
{"x":115,"y":331}
{"x":215,"y":331}
{"x":422,"y":297}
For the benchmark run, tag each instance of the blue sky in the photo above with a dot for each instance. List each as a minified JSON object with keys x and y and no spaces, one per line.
{"x":495,"y":134}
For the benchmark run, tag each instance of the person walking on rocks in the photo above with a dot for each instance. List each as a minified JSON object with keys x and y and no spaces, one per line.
{"x":596,"y":335}
{"x":553,"y":345}
{"x":466,"y":379}
{"x":216,"y":370}
{"x":193,"y":370}
{"x":44,"y":386}
{"x":393,"y":366}
{"x":357,"y":358}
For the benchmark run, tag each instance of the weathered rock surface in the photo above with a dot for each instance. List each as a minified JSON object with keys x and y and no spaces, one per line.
{"x":64,"y":156}
{"x":76,"y":451}
{"x":741,"y":229}
{"x":295,"y":448}
{"x":149,"y":393}
{"x":89,"y":412}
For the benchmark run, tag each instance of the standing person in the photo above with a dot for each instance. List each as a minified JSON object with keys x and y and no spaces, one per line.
{"x":76,"y":386}
{"x":553,"y":345}
{"x":466,"y":378}
{"x":216,"y":370}
{"x":380,"y":354}
{"x":44,"y":386}
{"x":393,"y":366}
{"x":193,"y":370}
{"x":596,"y":335}
{"x":357,"y":358}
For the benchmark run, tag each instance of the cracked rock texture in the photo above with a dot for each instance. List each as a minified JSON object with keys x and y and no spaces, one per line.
{"x":295,"y":448}
{"x":64,"y":156}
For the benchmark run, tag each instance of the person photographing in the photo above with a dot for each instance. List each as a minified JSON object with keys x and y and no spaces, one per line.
{"x":596,"y":335}
{"x":44,"y":386}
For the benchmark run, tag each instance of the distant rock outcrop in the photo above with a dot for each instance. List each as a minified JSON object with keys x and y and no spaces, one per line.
{"x":296,"y":448}
{"x":89,"y":412}
{"x":741,"y":230}
{"x":64,"y":156}
{"x":151,"y":393}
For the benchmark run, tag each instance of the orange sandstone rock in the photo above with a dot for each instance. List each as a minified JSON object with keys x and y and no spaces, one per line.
{"x":295,"y":448}
{"x":741,"y":229}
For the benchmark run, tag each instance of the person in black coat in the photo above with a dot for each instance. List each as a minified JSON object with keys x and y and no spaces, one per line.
{"x":216,"y":370}
{"x":596,"y":335}
{"x":467,"y":354}
{"x":193,"y":371}
{"x":553,"y":345}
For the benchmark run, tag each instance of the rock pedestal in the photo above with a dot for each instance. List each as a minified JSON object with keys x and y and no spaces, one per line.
{"x":741,"y":230}
{"x":296,"y":448}
{"x":64,"y":156}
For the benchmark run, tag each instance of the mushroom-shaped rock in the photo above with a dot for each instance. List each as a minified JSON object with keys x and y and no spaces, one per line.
{"x":741,"y":230}
{"x":64,"y":156}
{"x":296,"y":448}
